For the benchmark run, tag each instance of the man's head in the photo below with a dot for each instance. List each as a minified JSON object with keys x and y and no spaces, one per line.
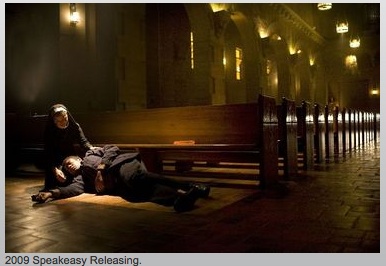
{"x":72,"y":164}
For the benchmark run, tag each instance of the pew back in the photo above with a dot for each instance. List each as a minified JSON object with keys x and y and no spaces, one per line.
{"x":306,"y":131}
{"x":233,"y":133}
{"x":216,"y":133}
{"x":339,"y":132}
{"x":225,"y":124}
{"x":319,"y":137}
{"x":329,"y":135}
{"x":24,"y":140}
{"x":288,"y":149}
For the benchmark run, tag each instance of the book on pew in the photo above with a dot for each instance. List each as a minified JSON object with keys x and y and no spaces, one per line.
{"x":184,"y":142}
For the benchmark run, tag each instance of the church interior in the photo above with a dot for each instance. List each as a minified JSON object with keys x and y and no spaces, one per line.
{"x":275,"y":105}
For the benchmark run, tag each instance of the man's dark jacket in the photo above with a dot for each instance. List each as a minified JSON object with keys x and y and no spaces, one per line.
{"x":112,"y":158}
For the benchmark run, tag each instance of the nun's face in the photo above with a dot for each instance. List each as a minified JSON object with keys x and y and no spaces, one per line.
{"x":61,"y":120}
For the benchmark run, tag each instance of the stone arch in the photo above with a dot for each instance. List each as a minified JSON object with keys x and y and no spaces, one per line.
{"x":252,"y":57}
{"x":276,"y":50}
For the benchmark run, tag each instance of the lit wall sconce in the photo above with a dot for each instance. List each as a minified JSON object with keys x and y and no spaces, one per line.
{"x":262,"y":27}
{"x":74,"y":15}
{"x":276,"y":37}
{"x":293,"y":50}
{"x":312,"y":60}
{"x":351,"y":61}
{"x":324,"y":6}
{"x":355,"y":42}
{"x":374,"y":90}
{"x":342,"y":27}
{"x":219,"y":7}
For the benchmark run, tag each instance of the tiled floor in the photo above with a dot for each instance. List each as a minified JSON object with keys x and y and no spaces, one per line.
{"x":335,"y":208}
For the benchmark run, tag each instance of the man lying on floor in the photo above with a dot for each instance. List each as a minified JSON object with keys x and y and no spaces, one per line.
{"x":105,"y":170}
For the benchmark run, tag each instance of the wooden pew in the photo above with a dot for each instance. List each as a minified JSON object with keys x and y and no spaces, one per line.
{"x":365,"y":136}
{"x":306,"y":131}
{"x":346,"y":127}
{"x":287,"y":123}
{"x":24,"y":140}
{"x":244,"y":133}
{"x":354,"y":127}
{"x":320,"y":132}
{"x":329,"y":134}
{"x":359,"y":125}
{"x":350,"y":119}
{"x":362,"y":127}
{"x":369,"y":126}
{"x":233,"y":133}
{"x":372,"y":125}
{"x":339,"y":131}
{"x":377,"y":123}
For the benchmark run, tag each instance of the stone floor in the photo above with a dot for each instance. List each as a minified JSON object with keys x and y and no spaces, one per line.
{"x":333,"y":209}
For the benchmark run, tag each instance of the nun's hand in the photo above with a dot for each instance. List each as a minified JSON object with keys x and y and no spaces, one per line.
{"x":59,"y":175}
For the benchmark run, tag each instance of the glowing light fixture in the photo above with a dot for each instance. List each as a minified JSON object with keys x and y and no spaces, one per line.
{"x":263,"y":33}
{"x":74,"y":15}
{"x":312,"y":59}
{"x":324,"y":6}
{"x":295,"y":51}
{"x":355,"y":42}
{"x":219,"y":7}
{"x":351,"y":61}
{"x":374,"y":91}
{"x":342,"y":27}
{"x":262,"y":28}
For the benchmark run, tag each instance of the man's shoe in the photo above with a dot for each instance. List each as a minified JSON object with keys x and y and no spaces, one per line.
{"x":203,"y":191}
{"x":185,"y":202}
